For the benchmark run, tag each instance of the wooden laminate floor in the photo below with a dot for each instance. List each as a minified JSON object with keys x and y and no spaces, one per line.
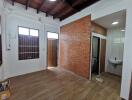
{"x":59,"y":84}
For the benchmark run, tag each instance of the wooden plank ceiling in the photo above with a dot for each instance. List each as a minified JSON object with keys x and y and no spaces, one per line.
{"x":58,"y":9}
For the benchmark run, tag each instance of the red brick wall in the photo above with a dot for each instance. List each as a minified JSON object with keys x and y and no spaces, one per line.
{"x":75,"y":46}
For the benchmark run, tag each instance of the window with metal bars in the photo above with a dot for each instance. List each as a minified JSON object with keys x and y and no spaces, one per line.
{"x":28,"y":43}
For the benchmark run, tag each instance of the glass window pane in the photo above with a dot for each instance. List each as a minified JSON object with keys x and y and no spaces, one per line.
{"x":33,"y":32}
{"x":23,"y":31}
{"x":52,"y":35}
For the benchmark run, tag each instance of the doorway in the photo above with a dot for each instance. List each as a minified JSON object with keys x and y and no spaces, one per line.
{"x":95,"y":55}
{"x":52,"y":49}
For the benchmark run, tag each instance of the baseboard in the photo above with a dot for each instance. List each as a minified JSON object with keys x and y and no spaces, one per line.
{"x":28,"y":73}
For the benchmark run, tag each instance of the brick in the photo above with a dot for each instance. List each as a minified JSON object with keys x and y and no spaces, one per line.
{"x":75,"y":46}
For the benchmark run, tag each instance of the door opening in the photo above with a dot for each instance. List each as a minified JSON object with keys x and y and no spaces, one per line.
{"x":95,"y":55}
{"x":52,"y":49}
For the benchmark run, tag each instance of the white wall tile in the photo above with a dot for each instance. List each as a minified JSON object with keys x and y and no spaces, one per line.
{"x":115,"y":48}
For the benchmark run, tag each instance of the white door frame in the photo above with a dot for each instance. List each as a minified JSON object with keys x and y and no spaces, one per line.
{"x":100,"y":37}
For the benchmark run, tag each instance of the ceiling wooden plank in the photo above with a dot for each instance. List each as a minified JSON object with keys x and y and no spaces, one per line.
{"x":28,"y":3}
{"x":85,"y":4}
{"x":40,"y":6}
{"x":66,"y":12}
{"x":66,"y":15}
{"x":53,"y":6}
{"x":70,"y":3}
{"x":67,"y":9}
{"x":59,"y":9}
{"x":63,"y":10}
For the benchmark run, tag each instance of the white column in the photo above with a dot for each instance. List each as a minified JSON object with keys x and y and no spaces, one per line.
{"x":127,"y":63}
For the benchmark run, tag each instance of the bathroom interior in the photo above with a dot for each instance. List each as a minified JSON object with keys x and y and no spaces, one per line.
{"x":108,"y":36}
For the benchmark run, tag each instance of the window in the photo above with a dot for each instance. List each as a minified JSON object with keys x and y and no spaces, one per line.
{"x":52,"y":35}
{"x":28,"y":43}
{"x":33,"y":32}
{"x":23,"y":31}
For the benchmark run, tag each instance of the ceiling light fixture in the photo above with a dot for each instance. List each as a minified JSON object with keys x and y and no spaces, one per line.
{"x":115,"y":23}
{"x":123,"y":30}
{"x":52,"y":0}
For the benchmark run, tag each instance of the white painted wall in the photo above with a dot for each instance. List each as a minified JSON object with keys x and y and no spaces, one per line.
{"x":1,"y":3}
{"x":114,"y":48}
{"x":3,"y":40}
{"x":12,"y":17}
{"x":106,"y":7}
{"x":127,"y":65}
